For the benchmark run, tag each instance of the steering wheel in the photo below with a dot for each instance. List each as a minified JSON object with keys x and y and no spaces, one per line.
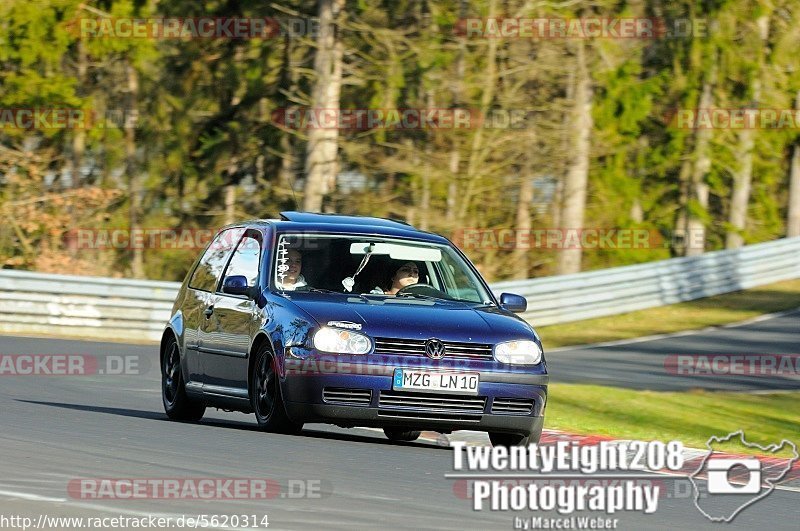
{"x":422,"y":289}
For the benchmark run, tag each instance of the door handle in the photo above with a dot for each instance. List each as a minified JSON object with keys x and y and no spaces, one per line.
{"x":209,"y":311}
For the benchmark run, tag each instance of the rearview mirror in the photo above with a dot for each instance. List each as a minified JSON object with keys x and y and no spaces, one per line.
{"x":236,"y":285}
{"x":397,"y":251}
{"x":513,"y":303}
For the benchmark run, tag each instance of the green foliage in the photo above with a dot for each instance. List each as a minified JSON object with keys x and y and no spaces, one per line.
{"x":205,"y":121}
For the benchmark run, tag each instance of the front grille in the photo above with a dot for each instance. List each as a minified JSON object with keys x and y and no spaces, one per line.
{"x":341,"y":395}
{"x":432,"y":402}
{"x":416,"y":347}
{"x":512,"y":406}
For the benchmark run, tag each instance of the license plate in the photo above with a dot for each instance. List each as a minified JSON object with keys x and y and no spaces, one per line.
{"x":436,"y":382}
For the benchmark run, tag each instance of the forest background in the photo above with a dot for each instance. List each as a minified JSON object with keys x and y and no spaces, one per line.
{"x":593,"y":129}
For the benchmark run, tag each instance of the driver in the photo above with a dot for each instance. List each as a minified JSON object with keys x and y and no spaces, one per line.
{"x":405,"y":275}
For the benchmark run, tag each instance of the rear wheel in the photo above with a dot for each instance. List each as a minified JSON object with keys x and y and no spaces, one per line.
{"x":394,"y":434}
{"x":265,"y":395}
{"x":177,"y":404}
{"x":509,"y":439}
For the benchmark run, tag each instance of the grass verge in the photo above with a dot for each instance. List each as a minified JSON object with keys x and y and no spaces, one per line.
{"x":690,"y":417}
{"x":711,"y":311}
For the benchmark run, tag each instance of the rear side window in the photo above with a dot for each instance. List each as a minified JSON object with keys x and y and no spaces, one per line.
{"x":209,"y":270}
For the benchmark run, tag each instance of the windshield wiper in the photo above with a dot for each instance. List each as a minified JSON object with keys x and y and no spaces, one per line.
{"x":421,"y":296}
{"x":317,"y":290}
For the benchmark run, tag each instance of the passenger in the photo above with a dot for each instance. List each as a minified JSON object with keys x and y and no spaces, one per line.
{"x":405,"y":275}
{"x":292,"y":279}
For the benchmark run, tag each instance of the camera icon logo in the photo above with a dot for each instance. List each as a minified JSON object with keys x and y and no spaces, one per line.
{"x":726,"y":482}
{"x":721,"y":473}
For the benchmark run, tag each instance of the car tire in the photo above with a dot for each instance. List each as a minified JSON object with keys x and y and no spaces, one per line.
{"x":265,"y":395}
{"x":509,"y":439}
{"x":177,"y":404}
{"x":401,"y":435}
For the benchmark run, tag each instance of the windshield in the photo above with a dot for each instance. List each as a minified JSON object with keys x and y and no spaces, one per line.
{"x":385,"y":267}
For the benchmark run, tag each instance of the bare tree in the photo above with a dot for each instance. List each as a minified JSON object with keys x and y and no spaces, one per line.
{"x":793,"y":217}
{"x":321,"y":164}
{"x":79,"y":136}
{"x":695,"y":224}
{"x":576,"y":178}
{"x":743,"y":175}
{"x":523,"y":224}
{"x":132,"y":170}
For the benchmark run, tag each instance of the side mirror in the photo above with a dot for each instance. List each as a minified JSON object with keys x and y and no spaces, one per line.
{"x":513,"y":303}
{"x":236,"y":285}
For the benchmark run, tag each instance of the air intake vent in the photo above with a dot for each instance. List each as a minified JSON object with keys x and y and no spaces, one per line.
{"x":432,"y":402}
{"x":512,"y":406}
{"x":341,"y":395}
{"x":425,"y":415}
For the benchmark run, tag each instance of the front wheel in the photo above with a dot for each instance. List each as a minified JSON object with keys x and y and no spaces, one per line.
{"x":177,"y":404}
{"x":265,"y":395}
{"x":401,"y":435}
{"x":509,"y":439}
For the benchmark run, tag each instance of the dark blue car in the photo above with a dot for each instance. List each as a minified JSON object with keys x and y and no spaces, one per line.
{"x":352,"y":321}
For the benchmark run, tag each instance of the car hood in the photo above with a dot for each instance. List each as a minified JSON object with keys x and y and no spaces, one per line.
{"x":412,"y":318}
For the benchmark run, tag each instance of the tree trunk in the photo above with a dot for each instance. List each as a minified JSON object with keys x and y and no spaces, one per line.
{"x":452,"y":186}
{"x":793,"y":217}
{"x":230,"y":204}
{"x":288,"y":83}
{"x":740,"y":194}
{"x":286,"y":169}
{"x":575,"y":181}
{"x":132,"y":172}
{"x":321,"y":164}
{"x":680,"y":239}
{"x":455,"y":154}
{"x":425,"y":195}
{"x":695,"y":225}
{"x":79,"y":134}
{"x":477,"y":152}
{"x":523,"y":225}
{"x":743,"y":178}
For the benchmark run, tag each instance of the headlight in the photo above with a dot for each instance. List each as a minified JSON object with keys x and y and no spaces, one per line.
{"x":518,"y":353}
{"x":341,"y":341}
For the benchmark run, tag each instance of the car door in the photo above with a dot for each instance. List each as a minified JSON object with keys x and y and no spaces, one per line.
{"x":200,"y":291}
{"x":227,"y":332}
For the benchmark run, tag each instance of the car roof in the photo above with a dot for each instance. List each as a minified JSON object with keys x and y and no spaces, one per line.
{"x":336,"y":223}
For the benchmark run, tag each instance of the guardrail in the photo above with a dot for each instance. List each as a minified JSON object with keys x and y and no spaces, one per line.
{"x":561,"y":299}
{"x":111,"y":308}
{"x":91,"y":307}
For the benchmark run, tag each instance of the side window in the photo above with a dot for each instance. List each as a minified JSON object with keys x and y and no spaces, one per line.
{"x":245,"y":259}
{"x":209,"y":269}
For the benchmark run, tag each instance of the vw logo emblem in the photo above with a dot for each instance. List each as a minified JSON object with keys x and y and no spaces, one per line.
{"x":434,"y":349}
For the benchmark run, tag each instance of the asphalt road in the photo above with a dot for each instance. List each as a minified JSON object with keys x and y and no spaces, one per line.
{"x":58,"y":429}
{"x":642,"y":364}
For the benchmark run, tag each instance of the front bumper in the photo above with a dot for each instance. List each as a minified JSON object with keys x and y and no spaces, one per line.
{"x":351,"y":416}
{"x":307,"y":397}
